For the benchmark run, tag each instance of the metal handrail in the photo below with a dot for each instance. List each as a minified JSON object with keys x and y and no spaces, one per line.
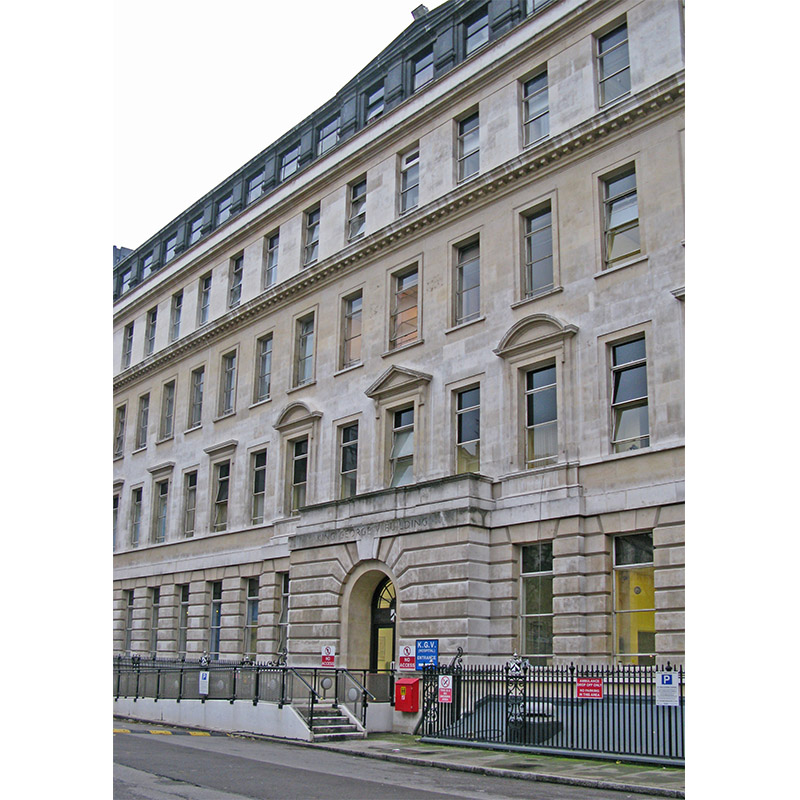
{"x":358,"y":683}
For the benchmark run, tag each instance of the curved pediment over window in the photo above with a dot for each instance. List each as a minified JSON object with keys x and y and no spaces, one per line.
{"x":295,"y":414}
{"x":533,"y":333}
{"x":397,"y":380}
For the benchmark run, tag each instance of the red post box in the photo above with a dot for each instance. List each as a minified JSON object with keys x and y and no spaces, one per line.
{"x":406,"y":694}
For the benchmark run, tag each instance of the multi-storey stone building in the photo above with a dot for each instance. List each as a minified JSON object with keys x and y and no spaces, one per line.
{"x":416,"y":369}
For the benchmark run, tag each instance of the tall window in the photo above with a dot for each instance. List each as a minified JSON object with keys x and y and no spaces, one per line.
{"x":183,"y":617}
{"x":119,"y":431}
{"x":539,"y":251}
{"x":155,"y":606}
{"x":409,"y":181}
{"x":404,"y":322}
{"x":195,"y":229}
{"x":290,"y":161}
{"x":304,"y":361}
{"x":196,"y":400}
{"x":228,"y":383}
{"x":169,"y":248}
{"x":251,"y":620}
{"x":128,"y":620}
{"x":215,"y":620}
{"x":136,"y":516}
{"x":613,"y":65}
{"x":127,"y":346}
{"x":629,"y":406}
{"x":255,"y":186}
{"x":469,"y":142}
{"x":621,"y":207}
{"x":311,"y":249}
{"x":271,"y":266}
{"x":328,"y":135}
{"x":189,"y":503}
{"x":374,"y":102}
{"x":167,"y":411}
{"x":161,"y":496}
{"x":402,"y":455}
{"x":468,"y":282}
{"x":141,"y":425}
{"x":224,"y":208}
{"x":222,"y":475}
{"x":351,"y":335}
{"x":175,"y":317}
{"x":259,"y":487}
{"x":263,"y":368}
{"x":358,"y":210}
{"x":468,"y":430}
{"x":536,"y":575}
{"x":476,"y":31}
{"x":115,"y":521}
{"x":283,"y":611}
{"x":535,"y":108}
{"x":541,"y":417}
{"x":235,"y":291}
{"x":348,"y":465}
{"x":422,"y":69}
{"x":150,"y":331}
{"x":634,"y":599}
{"x":204,"y":302}
{"x":298,"y":470}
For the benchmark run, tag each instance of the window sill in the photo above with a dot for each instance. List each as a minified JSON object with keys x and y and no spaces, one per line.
{"x":466,"y":324}
{"x":343,"y":370}
{"x":639,"y":258}
{"x":224,"y":416}
{"x":533,"y":298}
{"x":165,"y":439}
{"x":139,"y":450}
{"x":195,"y":428}
{"x":301,"y":386}
{"x":260,"y":402}
{"x":540,"y":140}
{"x":469,"y":178}
{"x":404,"y":347}
{"x":614,"y":102}
{"x":119,"y":457}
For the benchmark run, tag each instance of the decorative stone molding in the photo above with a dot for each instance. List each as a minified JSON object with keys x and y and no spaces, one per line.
{"x":223,"y":447}
{"x":163,"y":468}
{"x":397,"y":381}
{"x":532,"y":333}
{"x":294,"y":415}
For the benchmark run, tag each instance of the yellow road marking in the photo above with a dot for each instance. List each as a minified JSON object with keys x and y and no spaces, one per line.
{"x":121,"y":730}
{"x":198,"y":733}
{"x":162,"y":733}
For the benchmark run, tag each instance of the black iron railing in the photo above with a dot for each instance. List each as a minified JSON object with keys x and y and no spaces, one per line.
{"x":272,"y":682}
{"x":602,"y":710}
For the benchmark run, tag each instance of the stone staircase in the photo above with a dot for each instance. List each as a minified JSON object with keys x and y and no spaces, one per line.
{"x":331,"y":724}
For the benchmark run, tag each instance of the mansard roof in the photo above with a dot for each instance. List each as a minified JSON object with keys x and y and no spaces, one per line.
{"x":437,"y":29}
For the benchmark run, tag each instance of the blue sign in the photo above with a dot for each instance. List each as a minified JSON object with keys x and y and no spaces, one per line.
{"x":427,"y":653}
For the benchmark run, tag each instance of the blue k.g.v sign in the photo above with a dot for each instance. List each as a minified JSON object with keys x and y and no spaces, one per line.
{"x":427,"y":652}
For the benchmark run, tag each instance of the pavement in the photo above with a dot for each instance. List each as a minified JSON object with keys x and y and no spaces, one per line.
{"x":405,"y":748}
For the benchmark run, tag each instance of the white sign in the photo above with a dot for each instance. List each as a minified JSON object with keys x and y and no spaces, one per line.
{"x":329,"y":655}
{"x":407,"y":657}
{"x":445,"y":689}
{"x":667,"y":689}
{"x":203,"y":687}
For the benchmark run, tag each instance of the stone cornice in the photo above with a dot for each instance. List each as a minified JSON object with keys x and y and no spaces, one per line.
{"x":620,"y":120}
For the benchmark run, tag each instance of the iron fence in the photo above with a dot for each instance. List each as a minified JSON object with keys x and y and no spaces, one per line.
{"x":272,"y":682}
{"x":586,"y":710}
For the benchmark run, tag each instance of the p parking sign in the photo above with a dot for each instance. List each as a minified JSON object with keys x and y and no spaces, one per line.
{"x":667,"y":689}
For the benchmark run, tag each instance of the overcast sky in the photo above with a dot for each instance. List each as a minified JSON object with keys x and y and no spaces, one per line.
{"x":201,"y":87}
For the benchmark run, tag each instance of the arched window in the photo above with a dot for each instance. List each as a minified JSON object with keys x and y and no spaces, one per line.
{"x":383,"y":617}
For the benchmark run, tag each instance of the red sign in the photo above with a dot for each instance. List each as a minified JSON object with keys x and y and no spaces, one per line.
{"x":589,"y":687}
{"x":328,"y":656}
{"x":407,"y":659}
{"x":445,"y":689}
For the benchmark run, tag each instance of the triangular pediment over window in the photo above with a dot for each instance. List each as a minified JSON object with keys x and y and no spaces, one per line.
{"x":397,"y":380}
{"x":296,"y":414}
{"x":533,"y":333}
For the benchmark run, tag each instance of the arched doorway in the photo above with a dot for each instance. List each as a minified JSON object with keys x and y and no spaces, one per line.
{"x":381,"y":651}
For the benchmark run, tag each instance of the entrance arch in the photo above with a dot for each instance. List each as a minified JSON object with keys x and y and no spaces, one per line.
{"x":368,"y":619}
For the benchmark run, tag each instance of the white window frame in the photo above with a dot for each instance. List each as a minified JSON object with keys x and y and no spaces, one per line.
{"x":357,"y":219}
{"x":469,"y":145}
{"x":183,"y":593}
{"x":137,"y":500}
{"x":312,"y":219}
{"x":228,"y":373}
{"x":643,"y":402}
{"x":150,"y":331}
{"x":538,"y":118}
{"x":167,"y":420}
{"x":304,"y":362}
{"x":255,"y":191}
{"x":461,"y":251}
{"x":155,"y":608}
{"x":127,"y":345}
{"x":189,"y":504}
{"x":531,"y":459}
{"x":235,"y":281}
{"x":409,"y":180}
{"x":297,"y":496}
{"x":220,"y":499}
{"x":535,"y":658}
{"x":290,"y":161}
{"x":481,"y":19}
{"x":609,"y":201}
{"x":328,"y":134}
{"x":204,"y":299}
{"x":224,"y":208}
{"x":263,"y":370}
{"x":272,"y":244}
{"x":175,"y":316}
{"x":258,"y":485}
{"x":196,"y":390}
{"x":250,"y":637}
{"x":631,"y":657}
{"x":461,"y":444}
{"x":349,"y":315}
{"x":346,"y":476}
{"x":120,"y":419}
{"x":399,"y":292}
{"x":539,"y":211}
{"x":601,"y":54}
{"x":160,"y":510}
{"x":402,"y":455}
{"x":215,"y":619}
{"x":142,"y":421}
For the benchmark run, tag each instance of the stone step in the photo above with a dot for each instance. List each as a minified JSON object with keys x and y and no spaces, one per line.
{"x":335,"y":737}
{"x":345,"y":728}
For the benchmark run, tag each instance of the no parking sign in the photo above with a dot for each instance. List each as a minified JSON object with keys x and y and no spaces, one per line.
{"x":329,"y":655}
{"x":445,"y":688}
{"x":407,"y":658}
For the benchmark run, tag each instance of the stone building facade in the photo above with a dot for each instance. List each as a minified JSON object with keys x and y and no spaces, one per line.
{"x":416,"y":370}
